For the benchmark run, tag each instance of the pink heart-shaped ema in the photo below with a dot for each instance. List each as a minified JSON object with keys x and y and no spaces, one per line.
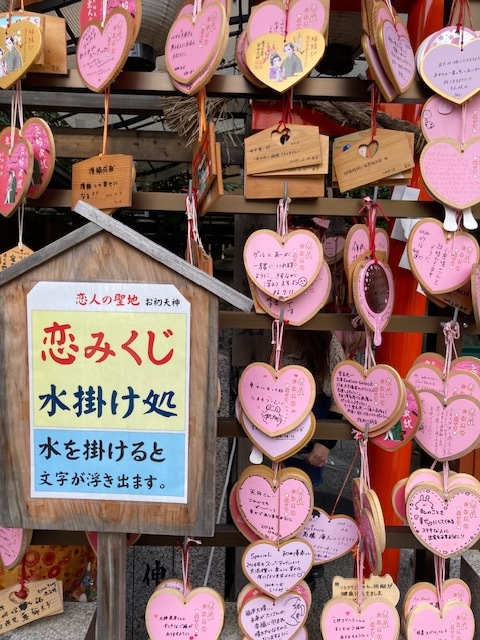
{"x":103,"y":50}
{"x":459,"y":382}
{"x":358,"y":244}
{"x":240,"y":53}
{"x":446,"y":524}
{"x":451,"y":173}
{"x":374,"y":618}
{"x":448,"y":430}
{"x":453,"y":590}
{"x":16,"y":167}
{"x":40,"y":136}
{"x":250,"y":591}
{"x":193,"y":86}
{"x":174,"y":583}
{"x":431,"y":477}
{"x":441,"y":262}
{"x":398,"y":500}
{"x":283,"y":268}
{"x":374,"y":295}
{"x":280,"y":618}
{"x":305,"y":305}
{"x":278,"y":403}
{"x":442,"y":118}
{"x":237,"y":517}
{"x":455,"y":619}
{"x":397,"y":54}
{"x":280,"y":447}
{"x":429,"y":357}
{"x":447,"y":70}
{"x":199,"y":614}
{"x":375,"y":398}
{"x":425,"y":377}
{"x":194,"y":43}
{"x":13,"y":544}
{"x":330,"y":537}
{"x":277,"y":568}
{"x":406,"y":427}
{"x":376,"y":69}
{"x":270,"y":17}
{"x":467,"y":363}
{"x":371,"y":535}
{"x":275,"y":508}
{"x":93,"y":10}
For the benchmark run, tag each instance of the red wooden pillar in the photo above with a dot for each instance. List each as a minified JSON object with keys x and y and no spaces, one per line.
{"x":400,"y":349}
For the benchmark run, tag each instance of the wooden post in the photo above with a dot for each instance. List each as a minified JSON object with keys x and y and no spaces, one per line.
{"x":111,"y":586}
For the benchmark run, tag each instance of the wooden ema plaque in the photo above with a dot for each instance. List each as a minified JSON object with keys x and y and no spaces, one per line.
{"x":105,"y":181}
{"x":37,"y":495}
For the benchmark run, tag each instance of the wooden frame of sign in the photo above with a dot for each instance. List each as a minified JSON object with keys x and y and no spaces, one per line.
{"x":108,"y":251}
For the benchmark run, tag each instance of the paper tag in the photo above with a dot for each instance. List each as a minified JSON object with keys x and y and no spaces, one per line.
{"x":359,"y":161}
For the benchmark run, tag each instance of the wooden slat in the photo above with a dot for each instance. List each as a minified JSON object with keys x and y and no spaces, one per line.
{"x":226,"y":535}
{"x":153,"y":146}
{"x":343,"y":322}
{"x":228,"y":86}
{"x":236,"y":204}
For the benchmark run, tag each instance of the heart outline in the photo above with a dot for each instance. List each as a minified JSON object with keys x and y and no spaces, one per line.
{"x":97,"y":69}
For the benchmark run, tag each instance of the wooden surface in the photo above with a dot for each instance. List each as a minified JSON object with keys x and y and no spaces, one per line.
{"x":111,"y":586}
{"x":237,"y":205}
{"x":103,"y":257}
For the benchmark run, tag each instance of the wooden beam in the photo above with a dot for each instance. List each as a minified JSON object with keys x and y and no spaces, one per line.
{"x":228,"y":86}
{"x":152,"y":146}
{"x":236,"y":204}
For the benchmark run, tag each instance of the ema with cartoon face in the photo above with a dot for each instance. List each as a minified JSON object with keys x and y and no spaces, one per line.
{"x":271,"y":416}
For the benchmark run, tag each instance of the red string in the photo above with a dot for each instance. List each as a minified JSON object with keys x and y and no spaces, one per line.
{"x":22,"y":593}
{"x":287,"y":9}
{"x":370,"y":209}
{"x":374,"y":102}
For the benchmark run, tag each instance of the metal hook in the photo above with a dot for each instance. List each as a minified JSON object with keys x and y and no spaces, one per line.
{"x":285,"y":192}
{"x":190,"y":189}
{"x":375,"y":195}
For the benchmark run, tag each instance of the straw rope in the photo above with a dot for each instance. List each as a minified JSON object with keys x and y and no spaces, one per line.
{"x":181,"y":116}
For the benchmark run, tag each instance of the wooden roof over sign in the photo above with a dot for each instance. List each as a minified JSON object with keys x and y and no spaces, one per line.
{"x":100,"y":221}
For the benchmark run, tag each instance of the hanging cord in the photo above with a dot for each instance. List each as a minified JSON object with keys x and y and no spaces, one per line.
{"x":202,"y":118}
{"x":332,"y":513}
{"x":360,"y":564}
{"x":185,"y":547}
{"x":369,"y":355}
{"x":370,"y":209}
{"x":106,"y":107}
{"x":464,"y":10}
{"x":278,"y":327}
{"x":374,"y":103}
{"x":282,"y":214}
{"x":451,"y":332}
{"x":220,"y":507}
{"x":439,"y":569}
